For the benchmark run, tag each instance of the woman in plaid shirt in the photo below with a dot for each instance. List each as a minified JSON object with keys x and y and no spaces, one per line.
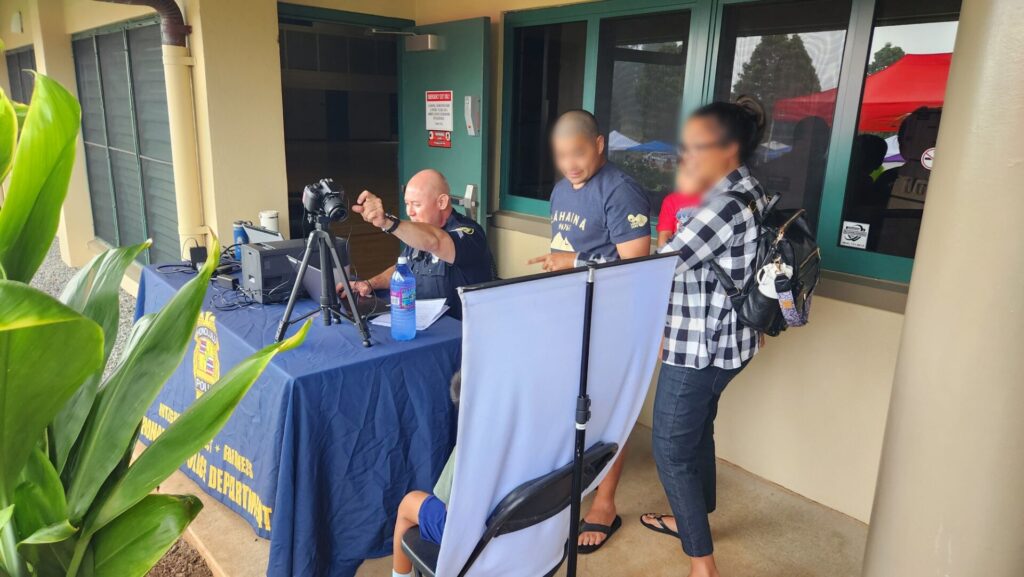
{"x":705,"y":347}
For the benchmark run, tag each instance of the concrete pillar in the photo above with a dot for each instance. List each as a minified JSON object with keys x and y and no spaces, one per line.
{"x":950,"y":496}
{"x":52,"y":43}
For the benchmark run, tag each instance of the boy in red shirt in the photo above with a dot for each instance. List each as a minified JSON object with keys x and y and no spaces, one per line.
{"x":677,"y":206}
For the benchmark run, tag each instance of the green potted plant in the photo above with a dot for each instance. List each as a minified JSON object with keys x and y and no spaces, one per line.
{"x":72,"y":501}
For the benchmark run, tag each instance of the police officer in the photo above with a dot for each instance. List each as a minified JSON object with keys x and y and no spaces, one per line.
{"x":445,"y":249}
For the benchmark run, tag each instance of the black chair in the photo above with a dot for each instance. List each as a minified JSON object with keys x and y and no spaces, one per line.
{"x":525,"y":506}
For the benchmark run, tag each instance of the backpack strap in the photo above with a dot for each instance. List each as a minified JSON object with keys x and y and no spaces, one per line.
{"x":726,"y":281}
{"x":747,"y":200}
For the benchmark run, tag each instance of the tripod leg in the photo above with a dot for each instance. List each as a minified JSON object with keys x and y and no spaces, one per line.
{"x":285,"y":320}
{"x":358,"y":319}
{"x":327,"y":295}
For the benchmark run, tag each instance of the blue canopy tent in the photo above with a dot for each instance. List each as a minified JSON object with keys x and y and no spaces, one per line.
{"x":653,"y":146}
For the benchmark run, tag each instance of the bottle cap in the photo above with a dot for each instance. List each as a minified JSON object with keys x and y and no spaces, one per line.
{"x":403,"y":260}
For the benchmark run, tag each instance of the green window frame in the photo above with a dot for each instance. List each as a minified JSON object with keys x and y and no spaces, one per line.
{"x":702,"y":59}
{"x":592,"y":14}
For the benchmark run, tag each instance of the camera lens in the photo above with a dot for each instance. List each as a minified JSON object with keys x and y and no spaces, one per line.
{"x":334,"y":207}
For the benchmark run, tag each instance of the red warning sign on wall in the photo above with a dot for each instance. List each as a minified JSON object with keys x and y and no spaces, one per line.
{"x":439,"y":138}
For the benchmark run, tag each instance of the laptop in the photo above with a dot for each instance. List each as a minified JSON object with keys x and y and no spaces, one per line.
{"x":258,"y":235}
{"x":368,"y":307}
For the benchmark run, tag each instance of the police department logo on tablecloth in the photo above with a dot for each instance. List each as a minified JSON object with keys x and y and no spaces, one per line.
{"x":206,"y":357}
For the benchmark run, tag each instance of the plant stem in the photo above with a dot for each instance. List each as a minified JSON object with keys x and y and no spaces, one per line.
{"x":80,"y":548}
{"x":9,"y":542}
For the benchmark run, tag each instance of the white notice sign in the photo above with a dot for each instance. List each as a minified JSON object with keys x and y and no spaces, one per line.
{"x":440,"y":110}
{"x":854,"y":234}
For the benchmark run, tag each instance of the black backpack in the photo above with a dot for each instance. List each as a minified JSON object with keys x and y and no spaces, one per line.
{"x":783,"y":238}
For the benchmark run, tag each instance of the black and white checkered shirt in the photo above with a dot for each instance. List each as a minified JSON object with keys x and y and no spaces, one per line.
{"x":701,"y":328}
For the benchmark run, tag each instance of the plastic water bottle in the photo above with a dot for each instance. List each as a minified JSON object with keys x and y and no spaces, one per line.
{"x":403,"y":302}
{"x":241,"y":237}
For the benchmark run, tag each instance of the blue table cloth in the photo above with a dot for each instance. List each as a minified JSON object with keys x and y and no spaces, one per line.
{"x":321,"y":451}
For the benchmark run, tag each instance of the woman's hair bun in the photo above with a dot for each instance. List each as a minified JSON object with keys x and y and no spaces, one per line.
{"x":742,"y":122}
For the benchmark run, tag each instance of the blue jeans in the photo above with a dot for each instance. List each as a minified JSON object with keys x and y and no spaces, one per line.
{"x":685,"y":406}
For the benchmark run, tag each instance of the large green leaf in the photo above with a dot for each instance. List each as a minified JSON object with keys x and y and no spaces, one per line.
{"x":39,"y":504}
{"x":39,"y":495}
{"x":21,"y":111}
{"x":46,"y":351}
{"x":189,"y":433}
{"x":94,"y":292}
{"x":124,"y":398}
{"x":132,"y":544}
{"x":39,"y":179}
{"x":50,"y":534}
{"x":5,"y":515}
{"x":8,"y":134}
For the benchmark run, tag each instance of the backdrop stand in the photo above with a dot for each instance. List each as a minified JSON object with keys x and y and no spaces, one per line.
{"x":582,"y":418}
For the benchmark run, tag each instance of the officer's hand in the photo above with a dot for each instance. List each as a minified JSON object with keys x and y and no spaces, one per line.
{"x":360,"y":287}
{"x":555,"y":261}
{"x":371,"y":208}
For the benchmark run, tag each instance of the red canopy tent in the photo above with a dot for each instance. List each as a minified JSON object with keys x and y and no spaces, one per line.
{"x":890,"y":94}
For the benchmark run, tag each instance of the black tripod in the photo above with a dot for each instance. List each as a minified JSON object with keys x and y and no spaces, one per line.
{"x":321,"y":239}
{"x":582,"y":418}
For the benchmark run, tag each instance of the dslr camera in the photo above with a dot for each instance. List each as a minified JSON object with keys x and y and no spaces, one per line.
{"x":325,"y":199}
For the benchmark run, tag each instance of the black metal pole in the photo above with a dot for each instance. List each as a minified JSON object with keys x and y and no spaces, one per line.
{"x":327,"y":289}
{"x":582,"y":418}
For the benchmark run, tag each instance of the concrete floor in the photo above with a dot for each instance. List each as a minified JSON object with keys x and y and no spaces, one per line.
{"x":760,"y":530}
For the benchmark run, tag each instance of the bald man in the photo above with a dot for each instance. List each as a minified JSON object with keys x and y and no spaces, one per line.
{"x":445,"y":249}
{"x":598,"y":214}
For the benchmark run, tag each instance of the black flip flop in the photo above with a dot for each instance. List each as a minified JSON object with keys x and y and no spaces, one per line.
{"x":661,"y":527}
{"x":608,"y":531}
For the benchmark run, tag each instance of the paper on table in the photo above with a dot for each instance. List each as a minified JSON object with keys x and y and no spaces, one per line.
{"x":427,"y":313}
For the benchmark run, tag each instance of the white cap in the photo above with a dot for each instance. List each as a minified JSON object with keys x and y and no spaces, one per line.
{"x":403,"y":260}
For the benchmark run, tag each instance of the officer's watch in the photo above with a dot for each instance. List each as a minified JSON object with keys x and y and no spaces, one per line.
{"x":395,"y":221}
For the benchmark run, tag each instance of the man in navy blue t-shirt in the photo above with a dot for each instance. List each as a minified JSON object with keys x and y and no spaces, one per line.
{"x":598,"y":213}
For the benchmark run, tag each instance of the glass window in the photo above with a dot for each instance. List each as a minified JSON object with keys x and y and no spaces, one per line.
{"x":900,"y":110}
{"x":127,"y":140}
{"x":547,"y":80}
{"x":19,"y":62}
{"x":641,"y":66}
{"x":787,"y":55}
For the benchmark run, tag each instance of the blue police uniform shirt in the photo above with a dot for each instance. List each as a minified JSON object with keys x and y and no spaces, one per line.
{"x":609,"y":209}
{"x":473,"y":264}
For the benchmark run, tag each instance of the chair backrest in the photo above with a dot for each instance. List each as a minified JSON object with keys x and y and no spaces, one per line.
{"x":542,"y":498}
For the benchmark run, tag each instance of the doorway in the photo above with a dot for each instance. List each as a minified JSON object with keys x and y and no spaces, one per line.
{"x":340,"y":93}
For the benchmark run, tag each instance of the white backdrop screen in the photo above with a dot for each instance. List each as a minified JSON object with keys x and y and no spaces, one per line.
{"x":520,"y":377}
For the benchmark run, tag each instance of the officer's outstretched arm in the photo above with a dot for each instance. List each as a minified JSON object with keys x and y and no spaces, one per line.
{"x":427,"y":237}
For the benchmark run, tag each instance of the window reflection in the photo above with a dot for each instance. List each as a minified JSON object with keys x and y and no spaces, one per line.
{"x":788,"y":55}
{"x":898,"y":125}
{"x":641,"y":68}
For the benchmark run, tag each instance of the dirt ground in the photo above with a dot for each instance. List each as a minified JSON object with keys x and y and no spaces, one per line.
{"x":181,"y":561}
